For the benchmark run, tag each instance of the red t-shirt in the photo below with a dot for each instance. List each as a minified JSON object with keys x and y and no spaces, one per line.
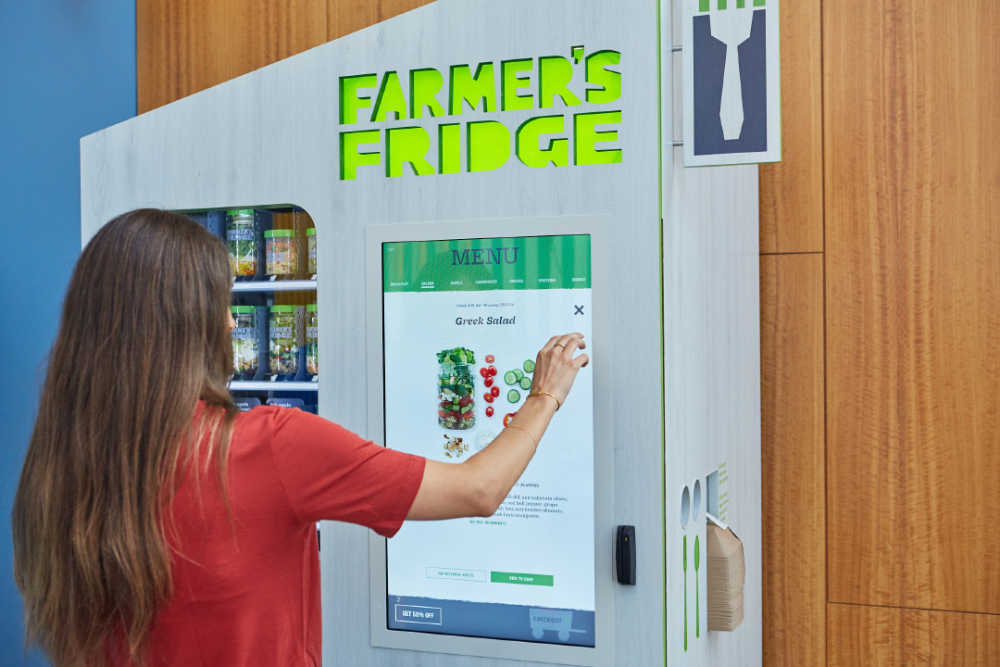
{"x":247,"y":591}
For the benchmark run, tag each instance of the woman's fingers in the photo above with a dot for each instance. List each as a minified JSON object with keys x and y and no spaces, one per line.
{"x":556,"y":366}
{"x":550,"y":344}
{"x":568,"y":343}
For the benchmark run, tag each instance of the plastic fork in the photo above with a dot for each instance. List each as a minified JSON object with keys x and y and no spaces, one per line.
{"x":731,"y":27}
{"x":684,"y":566}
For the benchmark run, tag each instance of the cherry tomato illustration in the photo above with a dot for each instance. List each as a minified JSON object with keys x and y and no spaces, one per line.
{"x":492,"y":370}
{"x":489,"y":410}
{"x":490,"y":359}
{"x":495,"y":391}
{"x":508,"y":418}
{"x":488,"y":382}
{"x":484,"y":372}
{"x":488,"y":397}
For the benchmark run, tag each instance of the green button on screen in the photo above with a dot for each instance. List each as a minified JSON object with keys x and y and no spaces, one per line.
{"x":523,"y":578}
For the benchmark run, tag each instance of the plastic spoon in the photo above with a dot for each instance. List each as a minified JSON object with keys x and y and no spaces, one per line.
{"x":684,"y":566}
{"x":731,"y":27}
{"x":697,"y":589}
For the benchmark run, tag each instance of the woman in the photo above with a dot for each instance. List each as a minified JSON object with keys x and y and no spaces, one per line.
{"x":156,"y":524}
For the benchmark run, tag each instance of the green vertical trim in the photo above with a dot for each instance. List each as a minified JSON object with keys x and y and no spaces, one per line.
{"x":663,"y":419}
{"x":740,"y":4}
{"x":723,"y":4}
{"x":758,"y":3}
{"x":704,"y":5}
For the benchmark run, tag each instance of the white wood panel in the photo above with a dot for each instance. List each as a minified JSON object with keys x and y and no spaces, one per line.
{"x":711,"y":351}
{"x":712,"y":402}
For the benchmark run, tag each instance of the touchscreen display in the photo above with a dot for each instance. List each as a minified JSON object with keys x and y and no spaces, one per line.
{"x":463,"y":321}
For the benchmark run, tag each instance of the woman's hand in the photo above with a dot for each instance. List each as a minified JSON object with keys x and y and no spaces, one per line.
{"x":556,"y":367}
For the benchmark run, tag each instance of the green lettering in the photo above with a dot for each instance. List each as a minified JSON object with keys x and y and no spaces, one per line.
{"x":510,"y":83}
{"x":554,"y":76}
{"x":350,"y":101}
{"x":598,"y":74}
{"x":351,"y":158}
{"x":586,"y":136}
{"x":488,"y":145}
{"x":425,"y":84}
{"x":449,"y":148}
{"x":407,"y":145}
{"x":472,"y":89}
{"x":390,"y":100}
{"x":528,"y":142}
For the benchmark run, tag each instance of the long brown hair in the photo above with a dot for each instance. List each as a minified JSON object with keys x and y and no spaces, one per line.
{"x":144,"y":335}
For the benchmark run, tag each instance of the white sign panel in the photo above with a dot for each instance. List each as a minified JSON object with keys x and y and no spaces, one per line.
{"x":732,"y":82}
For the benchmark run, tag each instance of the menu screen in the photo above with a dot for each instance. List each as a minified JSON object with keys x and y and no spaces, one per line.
{"x":463,"y":321}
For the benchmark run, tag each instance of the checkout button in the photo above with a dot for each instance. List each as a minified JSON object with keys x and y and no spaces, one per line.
{"x":523,"y":578}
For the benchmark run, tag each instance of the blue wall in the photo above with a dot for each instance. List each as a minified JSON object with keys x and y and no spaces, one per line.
{"x":67,"y":68}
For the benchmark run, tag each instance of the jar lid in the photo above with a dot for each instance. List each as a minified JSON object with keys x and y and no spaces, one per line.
{"x":278,"y":233}
{"x":282,"y":309}
{"x":242,"y":310}
{"x":311,"y":308}
{"x":311,"y":231}
{"x":238,"y":212}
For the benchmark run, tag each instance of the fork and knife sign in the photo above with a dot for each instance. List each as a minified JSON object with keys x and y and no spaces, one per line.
{"x":732,"y":27}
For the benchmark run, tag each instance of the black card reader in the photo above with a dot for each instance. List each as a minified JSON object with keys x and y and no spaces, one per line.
{"x":625,"y":555}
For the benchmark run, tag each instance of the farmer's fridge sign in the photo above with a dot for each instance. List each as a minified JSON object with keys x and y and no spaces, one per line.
{"x":576,"y":119}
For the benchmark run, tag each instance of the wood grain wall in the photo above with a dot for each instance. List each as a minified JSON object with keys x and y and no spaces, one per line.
{"x":183,"y":46}
{"x":880,"y":308}
{"x":913,"y":314}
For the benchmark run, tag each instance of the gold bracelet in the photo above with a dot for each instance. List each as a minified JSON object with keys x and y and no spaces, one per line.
{"x":545,"y":393}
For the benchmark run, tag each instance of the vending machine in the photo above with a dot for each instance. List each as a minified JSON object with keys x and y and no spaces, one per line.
{"x":426,"y":202}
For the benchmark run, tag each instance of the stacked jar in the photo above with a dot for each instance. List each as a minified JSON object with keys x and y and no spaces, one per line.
{"x":311,"y":243}
{"x":283,"y":337}
{"x":282,"y":250}
{"x":245,"y":343}
{"x":241,"y":238}
{"x":312,"y":340}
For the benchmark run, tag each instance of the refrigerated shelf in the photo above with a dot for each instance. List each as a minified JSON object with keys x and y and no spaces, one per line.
{"x":251,"y":385}
{"x":274,"y":286}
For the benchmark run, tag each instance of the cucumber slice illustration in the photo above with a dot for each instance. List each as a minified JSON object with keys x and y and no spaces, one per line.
{"x":518,"y":373}
{"x":525,"y":383}
{"x":510,"y":377}
{"x":513,"y":396}
{"x":529,"y":366}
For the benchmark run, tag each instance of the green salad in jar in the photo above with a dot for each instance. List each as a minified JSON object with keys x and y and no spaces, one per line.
{"x":283,"y":341}
{"x":456,"y":389}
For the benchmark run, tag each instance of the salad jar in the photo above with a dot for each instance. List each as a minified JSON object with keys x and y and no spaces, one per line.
{"x":282,"y":250}
{"x":283,"y":341}
{"x":456,"y":389}
{"x":244,"y":342}
{"x":311,"y":244}
{"x":312,"y":340}
{"x":241,"y":238}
